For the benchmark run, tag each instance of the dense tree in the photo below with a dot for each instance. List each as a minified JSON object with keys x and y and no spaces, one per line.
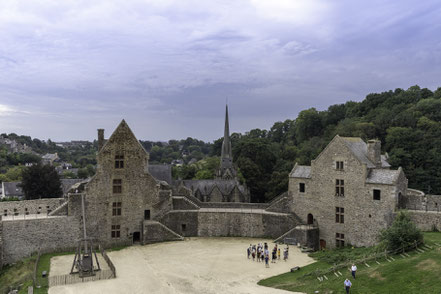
{"x":41,"y":181}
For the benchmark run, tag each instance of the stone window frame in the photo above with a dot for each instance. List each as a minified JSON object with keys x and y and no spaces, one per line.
{"x":115,"y":231}
{"x":340,"y":187}
{"x":119,"y":161}
{"x":302,"y":187}
{"x":340,"y":165}
{"x":5,"y":212}
{"x":116,"y":208}
{"x":339,"y":240}
{"x":340,"y":215}
{"x":117,"y":186}
{"x":376,"y":194}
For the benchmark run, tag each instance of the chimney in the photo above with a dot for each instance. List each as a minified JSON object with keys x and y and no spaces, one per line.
{"x":374,"y":152}
{"x":100,"y":139}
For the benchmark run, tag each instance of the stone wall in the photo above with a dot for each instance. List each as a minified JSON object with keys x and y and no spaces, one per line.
{"x":1,"y":243}
{"x":21,"y":238}
{"x":38,"y":206}
{"x":243,"y":224}
{"x":421,"y":201}
{"x":426,"y":220}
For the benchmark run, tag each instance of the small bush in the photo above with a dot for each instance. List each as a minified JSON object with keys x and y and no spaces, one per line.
{"x":403,"y":233}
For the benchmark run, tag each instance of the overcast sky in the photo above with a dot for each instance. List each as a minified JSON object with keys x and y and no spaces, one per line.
{"x":69,"y":67}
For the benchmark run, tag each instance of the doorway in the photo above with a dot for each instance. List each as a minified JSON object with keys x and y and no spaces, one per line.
{"x":136,"y":237}
{"x":322,"y":244}
{"x":147,"y":214}
{"x":310,"y":219}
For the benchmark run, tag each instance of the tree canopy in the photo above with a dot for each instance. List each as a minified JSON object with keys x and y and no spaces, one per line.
{"x":41,"y":181}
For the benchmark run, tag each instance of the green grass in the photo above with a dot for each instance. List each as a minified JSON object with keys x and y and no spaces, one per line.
{"x":21,"y":273}
{"x":419,"y":273}
{"x":18,"y":274}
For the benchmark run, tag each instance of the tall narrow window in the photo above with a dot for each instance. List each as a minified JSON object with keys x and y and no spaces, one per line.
{"x":117,"y":186}
{"x":339,"y":165}
{"x":302,"y":187}
{"x":339,"y":215}
{"x":339,"y":240}
{"x":116,"y":208}
{"x":147,"y":214}
{"x":377,"y":194}
{"x":339,"y":187}
{"x":116,"y":231}
{"x":119,"y":161}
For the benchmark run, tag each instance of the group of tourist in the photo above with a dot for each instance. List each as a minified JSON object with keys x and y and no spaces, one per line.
{"x":261,"y":253}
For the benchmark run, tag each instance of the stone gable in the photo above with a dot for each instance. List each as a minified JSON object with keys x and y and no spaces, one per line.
{"x":336,"y":196}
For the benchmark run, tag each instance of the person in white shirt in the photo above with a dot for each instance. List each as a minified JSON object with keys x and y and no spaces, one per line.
{"x":353,"y":270}
{"x":348,"y":285}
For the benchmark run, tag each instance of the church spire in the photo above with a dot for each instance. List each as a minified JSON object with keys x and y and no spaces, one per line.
{"x":226,"y":169}
{"x":226,"y":145}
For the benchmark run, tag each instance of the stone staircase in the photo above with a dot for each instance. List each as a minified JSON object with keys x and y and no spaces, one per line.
{"x":305,"y":235}
{"x":60,"y":210}
{"x":189,"y":202}
{"x":155,"y":231}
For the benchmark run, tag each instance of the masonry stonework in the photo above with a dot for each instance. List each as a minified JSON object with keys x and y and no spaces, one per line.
{"x":340,"y":183}
{"x":22,"y":238}
{"x":29,"y":207}
{"x":1,"y":243}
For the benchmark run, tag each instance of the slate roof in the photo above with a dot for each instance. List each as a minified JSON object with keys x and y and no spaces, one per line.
{"x":384,"y":162}
{"x":11,"y":189}
{"x":161,"y":172}
{"x":50,"y":156}
{"x":301,"y":171}
{"x":66,"y":184}
{"x":359,"y":149}
{"x":382,"y":176}
{"x":207,"y":186}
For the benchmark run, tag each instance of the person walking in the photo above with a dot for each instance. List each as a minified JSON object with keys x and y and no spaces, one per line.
{"x":278,"y":253}
{"x":353,"y":270}
{"x":348,"y":285}
{"x":249,"y":251}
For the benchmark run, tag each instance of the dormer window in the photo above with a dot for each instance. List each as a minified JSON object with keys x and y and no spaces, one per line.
{"x":119,"y":161}
{"x":339,"y":165}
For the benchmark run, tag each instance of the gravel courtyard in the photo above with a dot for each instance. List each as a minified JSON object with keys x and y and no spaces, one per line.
{"x":196,"y":265}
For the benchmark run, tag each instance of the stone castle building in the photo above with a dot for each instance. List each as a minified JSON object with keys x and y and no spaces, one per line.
{"x":346,"y":196}
{"x":349,"y":192}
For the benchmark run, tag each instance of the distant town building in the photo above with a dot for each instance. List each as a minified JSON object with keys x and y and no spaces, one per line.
{"x":50,"y":158}
{"x":12,"y":190}
{"x":12,"y":146}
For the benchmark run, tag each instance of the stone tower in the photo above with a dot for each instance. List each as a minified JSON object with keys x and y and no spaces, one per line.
{"x":226,"y":169}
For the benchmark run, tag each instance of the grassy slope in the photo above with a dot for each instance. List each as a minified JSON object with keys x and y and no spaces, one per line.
{"x":420,"y":273}
{"x":17,"y":274}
